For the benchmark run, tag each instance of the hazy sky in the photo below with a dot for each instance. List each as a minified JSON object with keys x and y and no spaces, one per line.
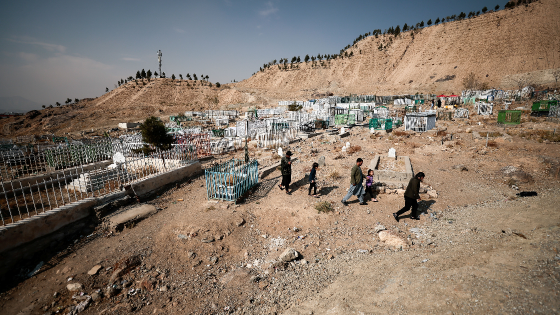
{"x":51,"y":50}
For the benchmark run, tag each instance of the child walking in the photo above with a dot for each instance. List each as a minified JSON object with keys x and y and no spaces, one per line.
{"x":313,"y":180}
{"x":369,"y":184}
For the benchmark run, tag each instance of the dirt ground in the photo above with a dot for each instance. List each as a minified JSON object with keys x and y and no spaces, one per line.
{"x":478,"y":248}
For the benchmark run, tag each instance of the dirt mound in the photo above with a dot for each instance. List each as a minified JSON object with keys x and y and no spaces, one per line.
{"x":500,"y":48}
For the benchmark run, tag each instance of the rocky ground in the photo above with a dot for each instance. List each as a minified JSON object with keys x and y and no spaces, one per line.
{"x":478,"y":247}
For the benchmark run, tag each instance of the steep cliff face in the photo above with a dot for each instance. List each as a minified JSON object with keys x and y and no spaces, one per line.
{"x":499,"y":48}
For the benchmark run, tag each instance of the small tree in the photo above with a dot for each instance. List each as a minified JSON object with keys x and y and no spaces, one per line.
{"x":437,"y":21}
{"x":484,"y":9}
{"x":106,"y":89}
{"x":181,"y":76}
{"x":43,"y":106}
{"x":294,"y":59}
{"x":68,"y":101}
{"x":155,"y":74}
{"x":429,"y":22}
{"x":306,"y":59}
{"x":155,"y":135}
{"x":149,"y":74}
{"x":218,"y":84}
{"x":422,"y":24}
{"x":173,"y":77}
{"x":76,"y":100}
{"x":298,"y":59}
{"x":143,"y":74}
{"x":497,"y":7}
{"x":195,"y":77}
{"x":138,"y":75}
{"x":57,"y":104}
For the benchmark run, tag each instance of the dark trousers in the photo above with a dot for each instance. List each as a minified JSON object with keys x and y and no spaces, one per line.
{"x":286,"y":180}
{"x":369,"y":189}
{"x":409,"y":203}
{"x":312,"y":185}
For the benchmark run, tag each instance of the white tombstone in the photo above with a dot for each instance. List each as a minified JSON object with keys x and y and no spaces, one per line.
{"x":347,"y":144}
{"x":342,"y":130}
{"x":118,"y":158}
{"x":344,"y":149}
{"x":392,"y":153}
{"x":280,"y":153}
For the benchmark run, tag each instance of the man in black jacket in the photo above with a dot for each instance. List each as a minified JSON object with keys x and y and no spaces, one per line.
{"x":411,"y":195}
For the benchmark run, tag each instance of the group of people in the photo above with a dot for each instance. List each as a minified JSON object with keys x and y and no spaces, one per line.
{"x":411,"y":195}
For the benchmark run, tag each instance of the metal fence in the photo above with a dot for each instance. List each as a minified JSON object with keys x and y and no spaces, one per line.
{"x":23,"y":197}
{"x":230,"y":180}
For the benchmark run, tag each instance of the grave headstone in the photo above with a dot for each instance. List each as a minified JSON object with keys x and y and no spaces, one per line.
{"x":392,"y":153}
{"x":321,"y":161}
{"x":280,"y":153}
{"x":342,"y":131}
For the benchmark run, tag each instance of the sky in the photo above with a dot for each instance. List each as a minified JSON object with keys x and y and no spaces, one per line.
{"x":54,"y":50}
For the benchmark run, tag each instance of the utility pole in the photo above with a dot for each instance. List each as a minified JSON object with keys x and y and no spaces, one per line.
{"x":159,"y":54}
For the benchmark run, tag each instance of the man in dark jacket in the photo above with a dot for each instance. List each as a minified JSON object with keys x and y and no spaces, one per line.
{"x":411,"y":195}
{"x":286,"y":169}
{"x":356,"y":188}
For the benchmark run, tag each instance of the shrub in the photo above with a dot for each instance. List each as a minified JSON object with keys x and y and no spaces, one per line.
{"x":324,"y":206}
{"x":334,"y":175}
{"x":354,"y":149}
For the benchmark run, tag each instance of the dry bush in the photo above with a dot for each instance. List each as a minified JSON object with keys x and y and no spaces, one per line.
{"x":324,"y":206}
{"x":399,"y":133}
{"x":492,"y":143}
{"x":334,"y":175}
{"x":338,"y":157}
{"x":353,"y":149}
{"x":441,"y":133}
{"x":413,"y":145}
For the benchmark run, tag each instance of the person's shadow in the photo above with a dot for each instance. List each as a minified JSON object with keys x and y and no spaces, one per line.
{"x":424,"y":206}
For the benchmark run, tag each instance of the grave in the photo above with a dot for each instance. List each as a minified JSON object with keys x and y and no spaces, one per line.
{"x":230,"y":180}
{"x":420,"y":122}
{"x":509,"y":117}
{"x":391,"y":170}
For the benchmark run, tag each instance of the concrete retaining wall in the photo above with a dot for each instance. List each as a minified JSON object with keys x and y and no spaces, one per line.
{"x":15,"y":237}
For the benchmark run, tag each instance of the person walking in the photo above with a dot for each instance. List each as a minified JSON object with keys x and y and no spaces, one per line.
{"x":286,"y":169}
{"x":411,"y":196}
{"x":313,"y":180}
{"x":369,"y":184}
{"x":356,"y":188}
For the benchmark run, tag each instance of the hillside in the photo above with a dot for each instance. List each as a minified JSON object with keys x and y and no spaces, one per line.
{"x":499,"y":47}
{"x":127,"y":103}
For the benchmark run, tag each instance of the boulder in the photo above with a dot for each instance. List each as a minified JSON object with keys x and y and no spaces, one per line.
{"x":392,"y":240}
{"x":288,"y":255}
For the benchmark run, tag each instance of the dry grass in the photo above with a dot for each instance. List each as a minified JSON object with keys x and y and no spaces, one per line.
{"x":492,"y":144}
{"x":324,"y":206}
{"x":399,"y":133}
{"x":353,"y":149}
{"x":539,"y":135}
{"x":441,"y":133}
{"x":334,"y":175}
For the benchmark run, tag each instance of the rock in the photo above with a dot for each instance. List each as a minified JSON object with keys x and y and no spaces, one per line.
{"x":213,"y":260}
{"x":94,"y":270}
{"x":400,"y":192}
{"x":432,"y":194}
{"x":124,"y":266}
{"x":111,"y":291}
{"x":240,"y":222}
{"x":163,"y":288}
{"x":182,"y":237}
{"x":208,"y":239}
{"x":96,"y":296}
{"x":330,"y":256}
{"x":468,"y":130}
{"x":74,"y":287}
{"x":321,"y":161}
{"x":378,"y":228}
{"x":288,"y":255}
{"x":135,"y":214}
{"x":391,"y":239}
{"x":460,"y":167}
